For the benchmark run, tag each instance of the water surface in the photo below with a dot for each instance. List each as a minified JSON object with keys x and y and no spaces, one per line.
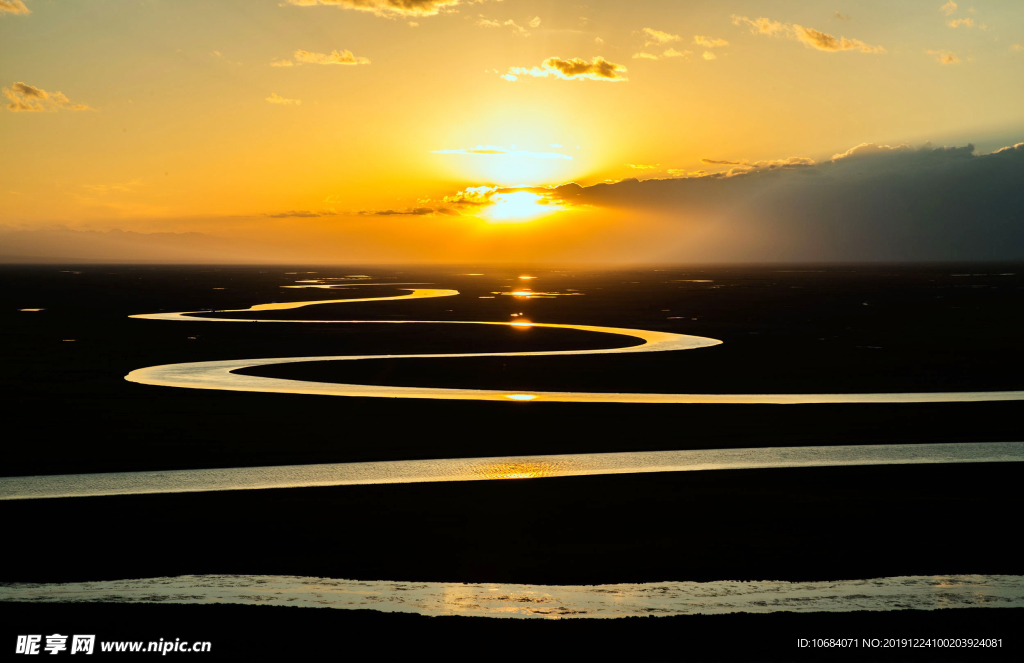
{"x":545,"y":601}
{"x":505,"y":467}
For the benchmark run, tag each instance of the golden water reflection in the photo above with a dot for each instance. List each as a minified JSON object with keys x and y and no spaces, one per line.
{"x":525,"y":470}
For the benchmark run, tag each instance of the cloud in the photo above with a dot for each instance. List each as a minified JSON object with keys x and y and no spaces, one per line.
{"x":744,"y":166}
{"x":597,"y":69}
{"x":708,"y":42}
{"x":667,"y":53}
{"x":13,"y":7}
{"x":809,"y":37}
{"x":386,"y":8}
{"x":659,"y":38}
{"x":417,"y":211}
{"x":1017,"y":47}
{"x":299,"y":213}
{"x":282,"y":63}
{"x":842,"y":17}
{"x":504,"y":151}
{"x":1018,"y":146}
{"x":683,"y":173}
{"x":334,"y":57}
{"x":517,"y":30}
{"x":534,"y":22}
{"x":944,"y":57}
{"x":870,"y":149}
{"x":708,"y":55}
{"x":474,"y":201}
{"x":826,"y":42}
{"x":275,"y":99}
{"x":869,"y":203}
{"x":948,"y":8}
{"x":642,"y":166}
{"x":957,"y":22}
{"x":762,"y":25}
{"x":25,"y":98}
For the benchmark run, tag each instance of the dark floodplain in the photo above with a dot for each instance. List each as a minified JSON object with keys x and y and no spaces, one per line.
{"x":785,"y":329}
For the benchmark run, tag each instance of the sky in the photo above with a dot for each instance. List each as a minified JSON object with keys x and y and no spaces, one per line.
{"x":369,"y":131}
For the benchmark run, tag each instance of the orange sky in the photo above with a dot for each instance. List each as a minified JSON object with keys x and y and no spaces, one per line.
{"x":377,"y":130}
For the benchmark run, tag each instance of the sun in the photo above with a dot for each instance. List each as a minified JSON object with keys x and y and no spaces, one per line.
{"x":517,"y":207}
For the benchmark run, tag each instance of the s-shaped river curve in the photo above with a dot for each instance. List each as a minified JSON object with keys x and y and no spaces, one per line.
{"x":221,"y":375}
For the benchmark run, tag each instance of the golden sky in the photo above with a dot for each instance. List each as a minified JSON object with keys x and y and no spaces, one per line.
{"x":407,"y":130}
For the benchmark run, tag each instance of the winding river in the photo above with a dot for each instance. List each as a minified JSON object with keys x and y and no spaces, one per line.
{"x":221,"y":375}
{"x":668,"y":598}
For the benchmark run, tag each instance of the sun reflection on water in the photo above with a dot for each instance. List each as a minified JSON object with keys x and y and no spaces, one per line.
{"x":523,"y":470}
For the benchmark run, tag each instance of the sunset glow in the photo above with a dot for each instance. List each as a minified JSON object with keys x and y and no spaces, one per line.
{"x":446,"y":130}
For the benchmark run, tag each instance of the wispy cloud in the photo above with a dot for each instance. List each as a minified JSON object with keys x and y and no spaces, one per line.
{"x":761,"y":25}
{"x":534,"y":22}
{"x":708,"y":55}
{"x":13,"y":7}
{"x":25,"y":98}
{"x":957,"y":22}
{"x":708,"y":42}
{"x":659,"y":38}
{"x":334,"y":57}
{"x":386,"y":8}
{"x":643,"y":166}
{"x":948,"y":8}
{"x":944,"y":57}
{"x":744,"y":166}
{"x":843,"y":17}
{"x":517,"y":30}
{"x":275,"y":99}
{"x":299,"y":214}
{"x":597,"y":69}
{"x":810,"y":37}
{"x":504,"y":151}
{"x":416,"y":211}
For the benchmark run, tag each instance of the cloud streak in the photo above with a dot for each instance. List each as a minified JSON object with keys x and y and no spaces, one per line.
{"x":944,"y":57}
{"x":25,"y":98}
{"x":299,"y":214}
{"x":517,"y":30}
{"x":809,"y":37}
{"x":578,"y":69}
{"x":659,"y":38}
{"x":334,"y":57}
{"x":503,"y":151}
{"x":708,"y":42}
{"x":386,"y":8}
{"x":13,"y":7}
{"x":277,"y":99}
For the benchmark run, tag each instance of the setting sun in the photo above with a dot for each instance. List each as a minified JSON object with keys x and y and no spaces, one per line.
{"x":517,"y":207}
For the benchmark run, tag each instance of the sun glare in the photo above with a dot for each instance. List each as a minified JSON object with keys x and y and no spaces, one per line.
{"x":518,"y":207}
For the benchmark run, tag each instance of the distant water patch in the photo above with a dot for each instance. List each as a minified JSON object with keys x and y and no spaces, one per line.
{"x":505,"y":467}
{"x":545,"y":601}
